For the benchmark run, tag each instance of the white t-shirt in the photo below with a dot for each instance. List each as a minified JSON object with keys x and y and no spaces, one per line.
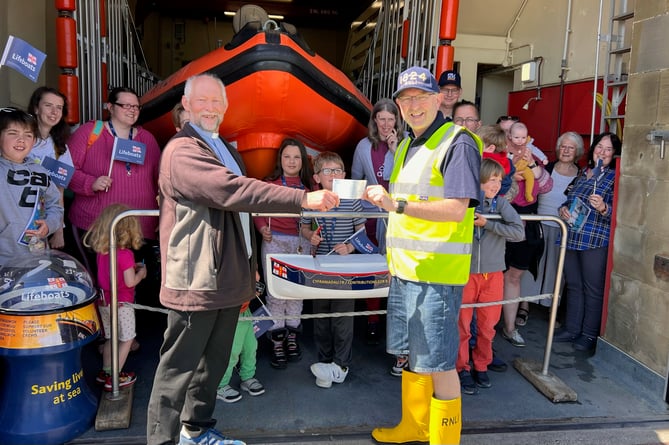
{"x":550,"y":202}
{"x":44,"y":148}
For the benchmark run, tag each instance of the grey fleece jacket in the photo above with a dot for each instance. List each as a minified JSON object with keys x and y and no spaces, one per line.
{"x":19,"y":186}
{"x":204,"y":259}
{"x":490,"y":241}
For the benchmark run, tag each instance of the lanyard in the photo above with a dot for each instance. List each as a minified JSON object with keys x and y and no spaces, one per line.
{"x":327,"y":231}
{"x":269,"y":220}
{"x":128,"y":167}
{"x":285,"y":184}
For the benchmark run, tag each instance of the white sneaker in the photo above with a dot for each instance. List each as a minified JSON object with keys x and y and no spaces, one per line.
{"x":328,"y":373}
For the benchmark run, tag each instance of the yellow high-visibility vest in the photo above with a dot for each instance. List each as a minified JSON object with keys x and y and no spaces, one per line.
{"x":421,"y":250}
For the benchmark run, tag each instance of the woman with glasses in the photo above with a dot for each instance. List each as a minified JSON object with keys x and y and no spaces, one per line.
{"x":373,"y":160}
{"x":588,"y":211}
{"x":100,"y":180}
{"x":49,"y":106}
{"x":466,"y":114}
{"x":569,"y":149}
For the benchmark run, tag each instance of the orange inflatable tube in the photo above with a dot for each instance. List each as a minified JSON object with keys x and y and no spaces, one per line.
{"x":277,"y":88}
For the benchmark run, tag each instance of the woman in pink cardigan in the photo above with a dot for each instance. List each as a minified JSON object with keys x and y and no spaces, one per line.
{"x":98,"y":182}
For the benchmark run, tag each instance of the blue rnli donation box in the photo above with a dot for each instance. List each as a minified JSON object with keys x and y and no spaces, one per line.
{"x":47,"y":314}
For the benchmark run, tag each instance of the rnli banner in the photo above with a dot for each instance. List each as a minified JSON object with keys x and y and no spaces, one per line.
{"x":22,"y":57}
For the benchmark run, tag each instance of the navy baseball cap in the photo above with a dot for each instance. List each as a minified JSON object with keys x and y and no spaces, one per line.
{"x":416,"y":77}
{"x":450,"y":77}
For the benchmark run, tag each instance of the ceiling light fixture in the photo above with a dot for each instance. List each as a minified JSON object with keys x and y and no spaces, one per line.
{"x":271,"y":16}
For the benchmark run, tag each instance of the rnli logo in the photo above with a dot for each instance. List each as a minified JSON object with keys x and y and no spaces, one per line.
{"x":279,"y":270}
{"x":450,"y":421}
{"x":59,"y":282}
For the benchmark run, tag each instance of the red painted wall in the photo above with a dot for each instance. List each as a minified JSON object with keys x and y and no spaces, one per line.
{"x":542,"y":116}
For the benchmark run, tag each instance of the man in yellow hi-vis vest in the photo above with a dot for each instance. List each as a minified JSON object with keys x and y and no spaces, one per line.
{"x":433,"y":190}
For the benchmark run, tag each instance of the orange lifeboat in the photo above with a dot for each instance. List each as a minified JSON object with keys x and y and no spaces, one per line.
{"x":277,"y":88}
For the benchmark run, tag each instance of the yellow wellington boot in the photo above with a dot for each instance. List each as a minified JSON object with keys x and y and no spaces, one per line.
{"x":415,"y":424}
{"x":445,"y":421}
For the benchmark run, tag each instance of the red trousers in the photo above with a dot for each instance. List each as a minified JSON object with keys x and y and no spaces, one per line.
{"x":481,"y":288}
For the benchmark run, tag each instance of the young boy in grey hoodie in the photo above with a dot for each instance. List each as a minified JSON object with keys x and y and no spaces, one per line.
{"x":486,"y":280}
{"x":29,"y":200}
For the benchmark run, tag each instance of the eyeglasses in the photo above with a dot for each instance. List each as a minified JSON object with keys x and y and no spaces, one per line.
{"x":331,"y":171}
{"x":604,"y":148}
{"x":420,"y":98}
{"x":128,"y":106}
{"x":450,"y":91}
{"x":462,"y":120}
{"x":507,"y":118}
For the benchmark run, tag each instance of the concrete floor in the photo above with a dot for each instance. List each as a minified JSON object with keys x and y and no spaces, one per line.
{"x":619,"y":402}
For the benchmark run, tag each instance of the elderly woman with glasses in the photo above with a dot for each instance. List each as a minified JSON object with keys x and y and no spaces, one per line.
{"x":100,"y":179}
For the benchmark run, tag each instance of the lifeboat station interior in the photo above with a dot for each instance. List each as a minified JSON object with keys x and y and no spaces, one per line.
{"x":313,"y":70}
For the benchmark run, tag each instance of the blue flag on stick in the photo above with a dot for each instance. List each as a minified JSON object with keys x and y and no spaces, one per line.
{"x":127,"y":150}
{"x":60,"y":172}
{"x":22,"y":57}
{"x":362,"y":243}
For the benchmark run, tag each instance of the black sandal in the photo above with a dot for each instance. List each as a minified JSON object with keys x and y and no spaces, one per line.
{"x":522,"y":316}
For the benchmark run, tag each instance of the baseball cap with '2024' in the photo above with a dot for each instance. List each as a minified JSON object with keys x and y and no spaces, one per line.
{"x":416,"y":77}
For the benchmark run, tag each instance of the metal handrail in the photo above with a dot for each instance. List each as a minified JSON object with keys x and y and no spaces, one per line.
{"x":115,"y":393}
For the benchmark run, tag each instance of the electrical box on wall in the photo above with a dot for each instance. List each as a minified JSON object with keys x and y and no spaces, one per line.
{"x":528,"y":72}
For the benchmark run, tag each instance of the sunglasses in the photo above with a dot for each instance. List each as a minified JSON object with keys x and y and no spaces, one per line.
{"x":20,"y":113}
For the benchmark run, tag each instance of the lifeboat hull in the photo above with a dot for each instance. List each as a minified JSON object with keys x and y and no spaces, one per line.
{"x":299,"y":277}
{"x":276,"y":88}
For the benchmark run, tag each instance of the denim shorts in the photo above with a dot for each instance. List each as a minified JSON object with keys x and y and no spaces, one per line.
{"x":423,"y":323}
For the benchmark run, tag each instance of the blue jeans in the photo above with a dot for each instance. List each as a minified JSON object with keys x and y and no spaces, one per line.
{"x":423,"y":323}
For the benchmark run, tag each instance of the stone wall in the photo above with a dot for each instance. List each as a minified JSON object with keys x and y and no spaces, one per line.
{"x":638,"y":307}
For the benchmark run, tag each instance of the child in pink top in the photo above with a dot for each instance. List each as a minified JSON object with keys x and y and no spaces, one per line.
{"x":128,"y":275}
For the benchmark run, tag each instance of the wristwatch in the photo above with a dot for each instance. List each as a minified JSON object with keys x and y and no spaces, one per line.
{"x":401,"y":204}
